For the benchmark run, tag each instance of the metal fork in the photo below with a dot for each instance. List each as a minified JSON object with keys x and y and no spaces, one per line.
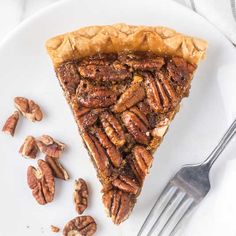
{"x":183,"y":192}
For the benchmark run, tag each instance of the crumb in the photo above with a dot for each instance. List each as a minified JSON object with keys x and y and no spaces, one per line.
{"x":55,"y":229}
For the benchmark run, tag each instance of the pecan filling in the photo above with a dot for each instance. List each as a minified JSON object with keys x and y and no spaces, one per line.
{"x":123,"y":104}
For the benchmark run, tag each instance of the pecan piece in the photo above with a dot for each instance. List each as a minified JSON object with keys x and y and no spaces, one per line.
{"x":97,"y":98}
{"x":134,"y":94}
{"x":118,"y":205}
{"x":105,"y":73}
{"x":69,"y":76}
{"x":29,"y":148}
{"x":81,"y":195}
{"x":111,"y":150}
{"x":80,"y":226}
{"x":55,"y":229}
{"x":126,"y":184}
{"x":28,"y":108}
{"x":98,"y":154}
{"x":179,"y":69}
{"x":140,"y":162}
{"x":49,"y":146}
{"x":161,"y":128}
{"x":57,"y":169}
{"x":136,"y":127}
{"x":11,"y":123}
{"x":113,"y":129}
{"x":87,"y":119}
{"x":41,"y":181}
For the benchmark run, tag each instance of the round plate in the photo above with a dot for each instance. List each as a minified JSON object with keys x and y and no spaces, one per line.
{"x":26,"y":70}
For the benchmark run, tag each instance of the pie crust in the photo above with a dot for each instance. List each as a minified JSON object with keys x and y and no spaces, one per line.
{"x":121,"y":37}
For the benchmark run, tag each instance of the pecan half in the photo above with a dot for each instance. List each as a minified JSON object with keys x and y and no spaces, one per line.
{"x":69,"y":76}
{"x":140,"y":115}
{"x":134,"y":94}
{"x":147,"y":64}
{"x":28,"y":108}
{"x":98,"y":154}
{"x":153,"y":97}
{"x":49,"y":146}
{"x":11,"y":123}
{"x":118,"y":205}
{"x":29,"y":148}
{"x":57,"y":169}
{"x":113,"y":128}
{"x":140,"y":162}
{"x":80,"y":195}
{"x":127,"y":184}
{"x":136,"y":127}
{"x":97,"y":98}
{"x":80,"y":226}
{"x":161,"y":95}
{"x":116,"y":72}
{"x":113,"y":153}
{"x":41,"y":181}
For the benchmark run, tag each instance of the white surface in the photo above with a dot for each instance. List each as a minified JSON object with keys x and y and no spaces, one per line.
{"x":27,"y":71}
{"x":219,"y":13}
{"x":12,"y":12}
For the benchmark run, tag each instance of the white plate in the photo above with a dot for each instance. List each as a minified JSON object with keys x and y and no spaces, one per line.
{"x":26,"y":70}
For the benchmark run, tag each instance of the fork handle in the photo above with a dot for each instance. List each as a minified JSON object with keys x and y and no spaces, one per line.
{"x":221,"y":146}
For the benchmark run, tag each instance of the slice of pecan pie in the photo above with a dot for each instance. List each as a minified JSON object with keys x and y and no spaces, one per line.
{"x":124,"y":85}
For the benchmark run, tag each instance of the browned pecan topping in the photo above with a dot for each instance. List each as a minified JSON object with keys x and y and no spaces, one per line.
{"x":29,"y":148}
{"x":81,"y":195}
{"x":127,"y":184}
{"x":55,"y":229}
{"x":118,"y":205}
{"x":80,"y":226}
{"x":141,"y":162}
{"x":179,"y":69}
{"x":41,"y":181}
{"x":113,"y":153}
{"x":99,"y":97}
{"x":69,"y":76}
{"x":57,"y":169}
{"x":11,"y":123}
{"x":49,"y":146}
{"x":123,"y":106}
{"x":98,"y":154}
{"x":113,"y":128}
{"x":134,"y":94}
{"x":115,"y":72}
{"x":28,"y":108}
{"x":136,"y":127}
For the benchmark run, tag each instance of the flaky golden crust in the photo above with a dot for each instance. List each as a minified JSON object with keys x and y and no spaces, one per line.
{"x":121,"y":37}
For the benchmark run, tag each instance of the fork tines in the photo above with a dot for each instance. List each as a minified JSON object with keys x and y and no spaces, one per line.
{"x":168,"y":212}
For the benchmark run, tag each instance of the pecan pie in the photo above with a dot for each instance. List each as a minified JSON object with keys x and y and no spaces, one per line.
{"x":124,"y":85}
